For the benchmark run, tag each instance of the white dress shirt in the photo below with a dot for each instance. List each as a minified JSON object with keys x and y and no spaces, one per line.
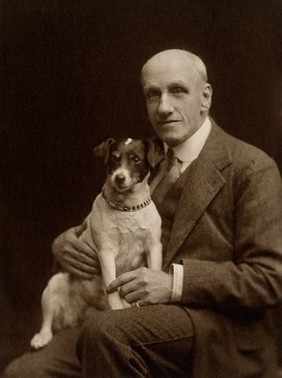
{"x":187,"y":152}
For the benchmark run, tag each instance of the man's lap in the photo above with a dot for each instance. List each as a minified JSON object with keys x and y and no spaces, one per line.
{"x":148,"y":341}
{"x":161,"y":325}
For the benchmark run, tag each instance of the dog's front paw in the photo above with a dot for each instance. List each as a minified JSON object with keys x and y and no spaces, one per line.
{"x":119,"y":304}
{"x":41,"y":339}
{"x":116,"y":305}
{"x":115,"y":301}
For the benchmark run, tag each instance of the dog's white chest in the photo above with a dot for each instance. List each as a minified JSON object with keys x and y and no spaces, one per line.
{"x":126,"y":235}
{"x":103,"y":218}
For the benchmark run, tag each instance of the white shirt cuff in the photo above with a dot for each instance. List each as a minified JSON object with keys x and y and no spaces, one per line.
{"x":177,"y":272}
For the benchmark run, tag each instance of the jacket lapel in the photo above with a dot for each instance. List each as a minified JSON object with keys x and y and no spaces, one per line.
{"x":203,"y":180}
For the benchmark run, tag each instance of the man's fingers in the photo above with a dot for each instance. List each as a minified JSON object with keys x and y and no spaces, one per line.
{"x":79,"y":273}
{"x":82,"y":247}
{"x":126,"y":289}
{"x":84,"y":259}
{"x":79,"y":265}
{"x":121,"y":280}
{"x":75,"y":255}
{"x":139,"y":303}
{"x":134,"y":296}
{"x":144,"y":286}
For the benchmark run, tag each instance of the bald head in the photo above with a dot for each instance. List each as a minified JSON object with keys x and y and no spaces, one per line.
{"x":175,"y":58}
{"x":178,"y":96}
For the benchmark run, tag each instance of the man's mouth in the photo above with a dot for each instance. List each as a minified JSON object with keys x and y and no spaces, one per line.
{"x":168,"y":122}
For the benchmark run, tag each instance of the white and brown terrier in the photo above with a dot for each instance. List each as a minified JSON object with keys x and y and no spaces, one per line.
{"x":124,"y":228}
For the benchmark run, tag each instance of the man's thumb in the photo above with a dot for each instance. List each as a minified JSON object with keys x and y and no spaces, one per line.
{"x":79,"y":229}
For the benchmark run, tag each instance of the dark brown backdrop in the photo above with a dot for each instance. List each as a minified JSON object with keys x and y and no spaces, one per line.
{"x":70,"y":78}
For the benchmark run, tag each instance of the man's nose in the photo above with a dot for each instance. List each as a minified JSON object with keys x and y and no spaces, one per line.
{"x":165,"y":107}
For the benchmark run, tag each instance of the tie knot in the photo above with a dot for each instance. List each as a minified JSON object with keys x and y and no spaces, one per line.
{"x":170,"y":154}
{"x":172,"y":160}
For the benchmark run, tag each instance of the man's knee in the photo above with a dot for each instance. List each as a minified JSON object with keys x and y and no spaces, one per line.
{"x":99,"y":325}
{"x":58,"y":358}
{"x":26,"y":366}
{"x":104,"y":326}
{"x":11,"y":371}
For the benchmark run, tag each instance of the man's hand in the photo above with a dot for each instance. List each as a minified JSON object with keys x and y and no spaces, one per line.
{"x":74,"y":255}
{"x":147,"y":286}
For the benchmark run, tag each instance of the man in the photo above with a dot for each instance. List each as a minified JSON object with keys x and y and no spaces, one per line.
{"x":209,"y":313}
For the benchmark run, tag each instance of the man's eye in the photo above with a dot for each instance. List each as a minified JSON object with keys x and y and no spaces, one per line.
{"x":152,"y":94}
{"x":178,"y":90}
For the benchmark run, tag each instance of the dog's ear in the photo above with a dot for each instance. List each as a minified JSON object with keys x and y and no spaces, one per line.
{"x":103,"y":150}
{"x":154,"y":153}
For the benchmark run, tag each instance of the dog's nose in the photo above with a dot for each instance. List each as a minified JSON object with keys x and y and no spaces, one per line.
{"x":120,"y":179}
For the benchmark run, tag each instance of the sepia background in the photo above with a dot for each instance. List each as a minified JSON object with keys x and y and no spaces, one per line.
{"x":70,"y":74}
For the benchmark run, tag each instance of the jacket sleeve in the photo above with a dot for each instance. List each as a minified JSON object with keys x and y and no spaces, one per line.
{"x":253,"y":279}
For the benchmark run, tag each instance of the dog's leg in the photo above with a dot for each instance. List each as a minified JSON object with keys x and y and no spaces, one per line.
{"x":53,"y":300}
{"x":108,"y":267}
{"x":49,"y":309}
{"x":154,"y":256}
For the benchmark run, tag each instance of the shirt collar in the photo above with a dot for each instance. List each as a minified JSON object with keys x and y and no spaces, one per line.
{"x":190,"y":149}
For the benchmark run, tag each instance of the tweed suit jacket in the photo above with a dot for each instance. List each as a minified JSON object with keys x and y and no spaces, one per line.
{"x":227,"y":233}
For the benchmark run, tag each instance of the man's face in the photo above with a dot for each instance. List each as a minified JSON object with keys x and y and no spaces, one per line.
{"x":176,"y":97}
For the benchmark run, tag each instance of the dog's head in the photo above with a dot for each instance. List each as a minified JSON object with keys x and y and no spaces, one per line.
{"x":128,"y":161}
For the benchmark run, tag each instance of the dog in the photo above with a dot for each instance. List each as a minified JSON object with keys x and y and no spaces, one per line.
{"x":123,"y":228}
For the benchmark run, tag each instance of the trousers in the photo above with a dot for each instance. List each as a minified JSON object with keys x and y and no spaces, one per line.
{"x":151,"y":341}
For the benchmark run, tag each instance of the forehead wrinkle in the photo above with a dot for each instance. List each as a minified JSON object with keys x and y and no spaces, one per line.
{"x":157,"y":78}
{"x":168,"y":80}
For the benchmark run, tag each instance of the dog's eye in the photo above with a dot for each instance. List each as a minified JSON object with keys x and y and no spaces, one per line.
{"x":136,"y":159}
{"x":115,"y":158}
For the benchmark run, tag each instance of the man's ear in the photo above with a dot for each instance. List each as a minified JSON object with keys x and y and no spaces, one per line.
{"x":154,"y":153}
{"x":103,"y":150}
{"x":206,"y":97}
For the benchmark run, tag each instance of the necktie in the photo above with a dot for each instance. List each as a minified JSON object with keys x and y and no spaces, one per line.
{"x":171,"y":174}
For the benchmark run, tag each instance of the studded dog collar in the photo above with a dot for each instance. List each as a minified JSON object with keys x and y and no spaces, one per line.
{"x":126,"y":208}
